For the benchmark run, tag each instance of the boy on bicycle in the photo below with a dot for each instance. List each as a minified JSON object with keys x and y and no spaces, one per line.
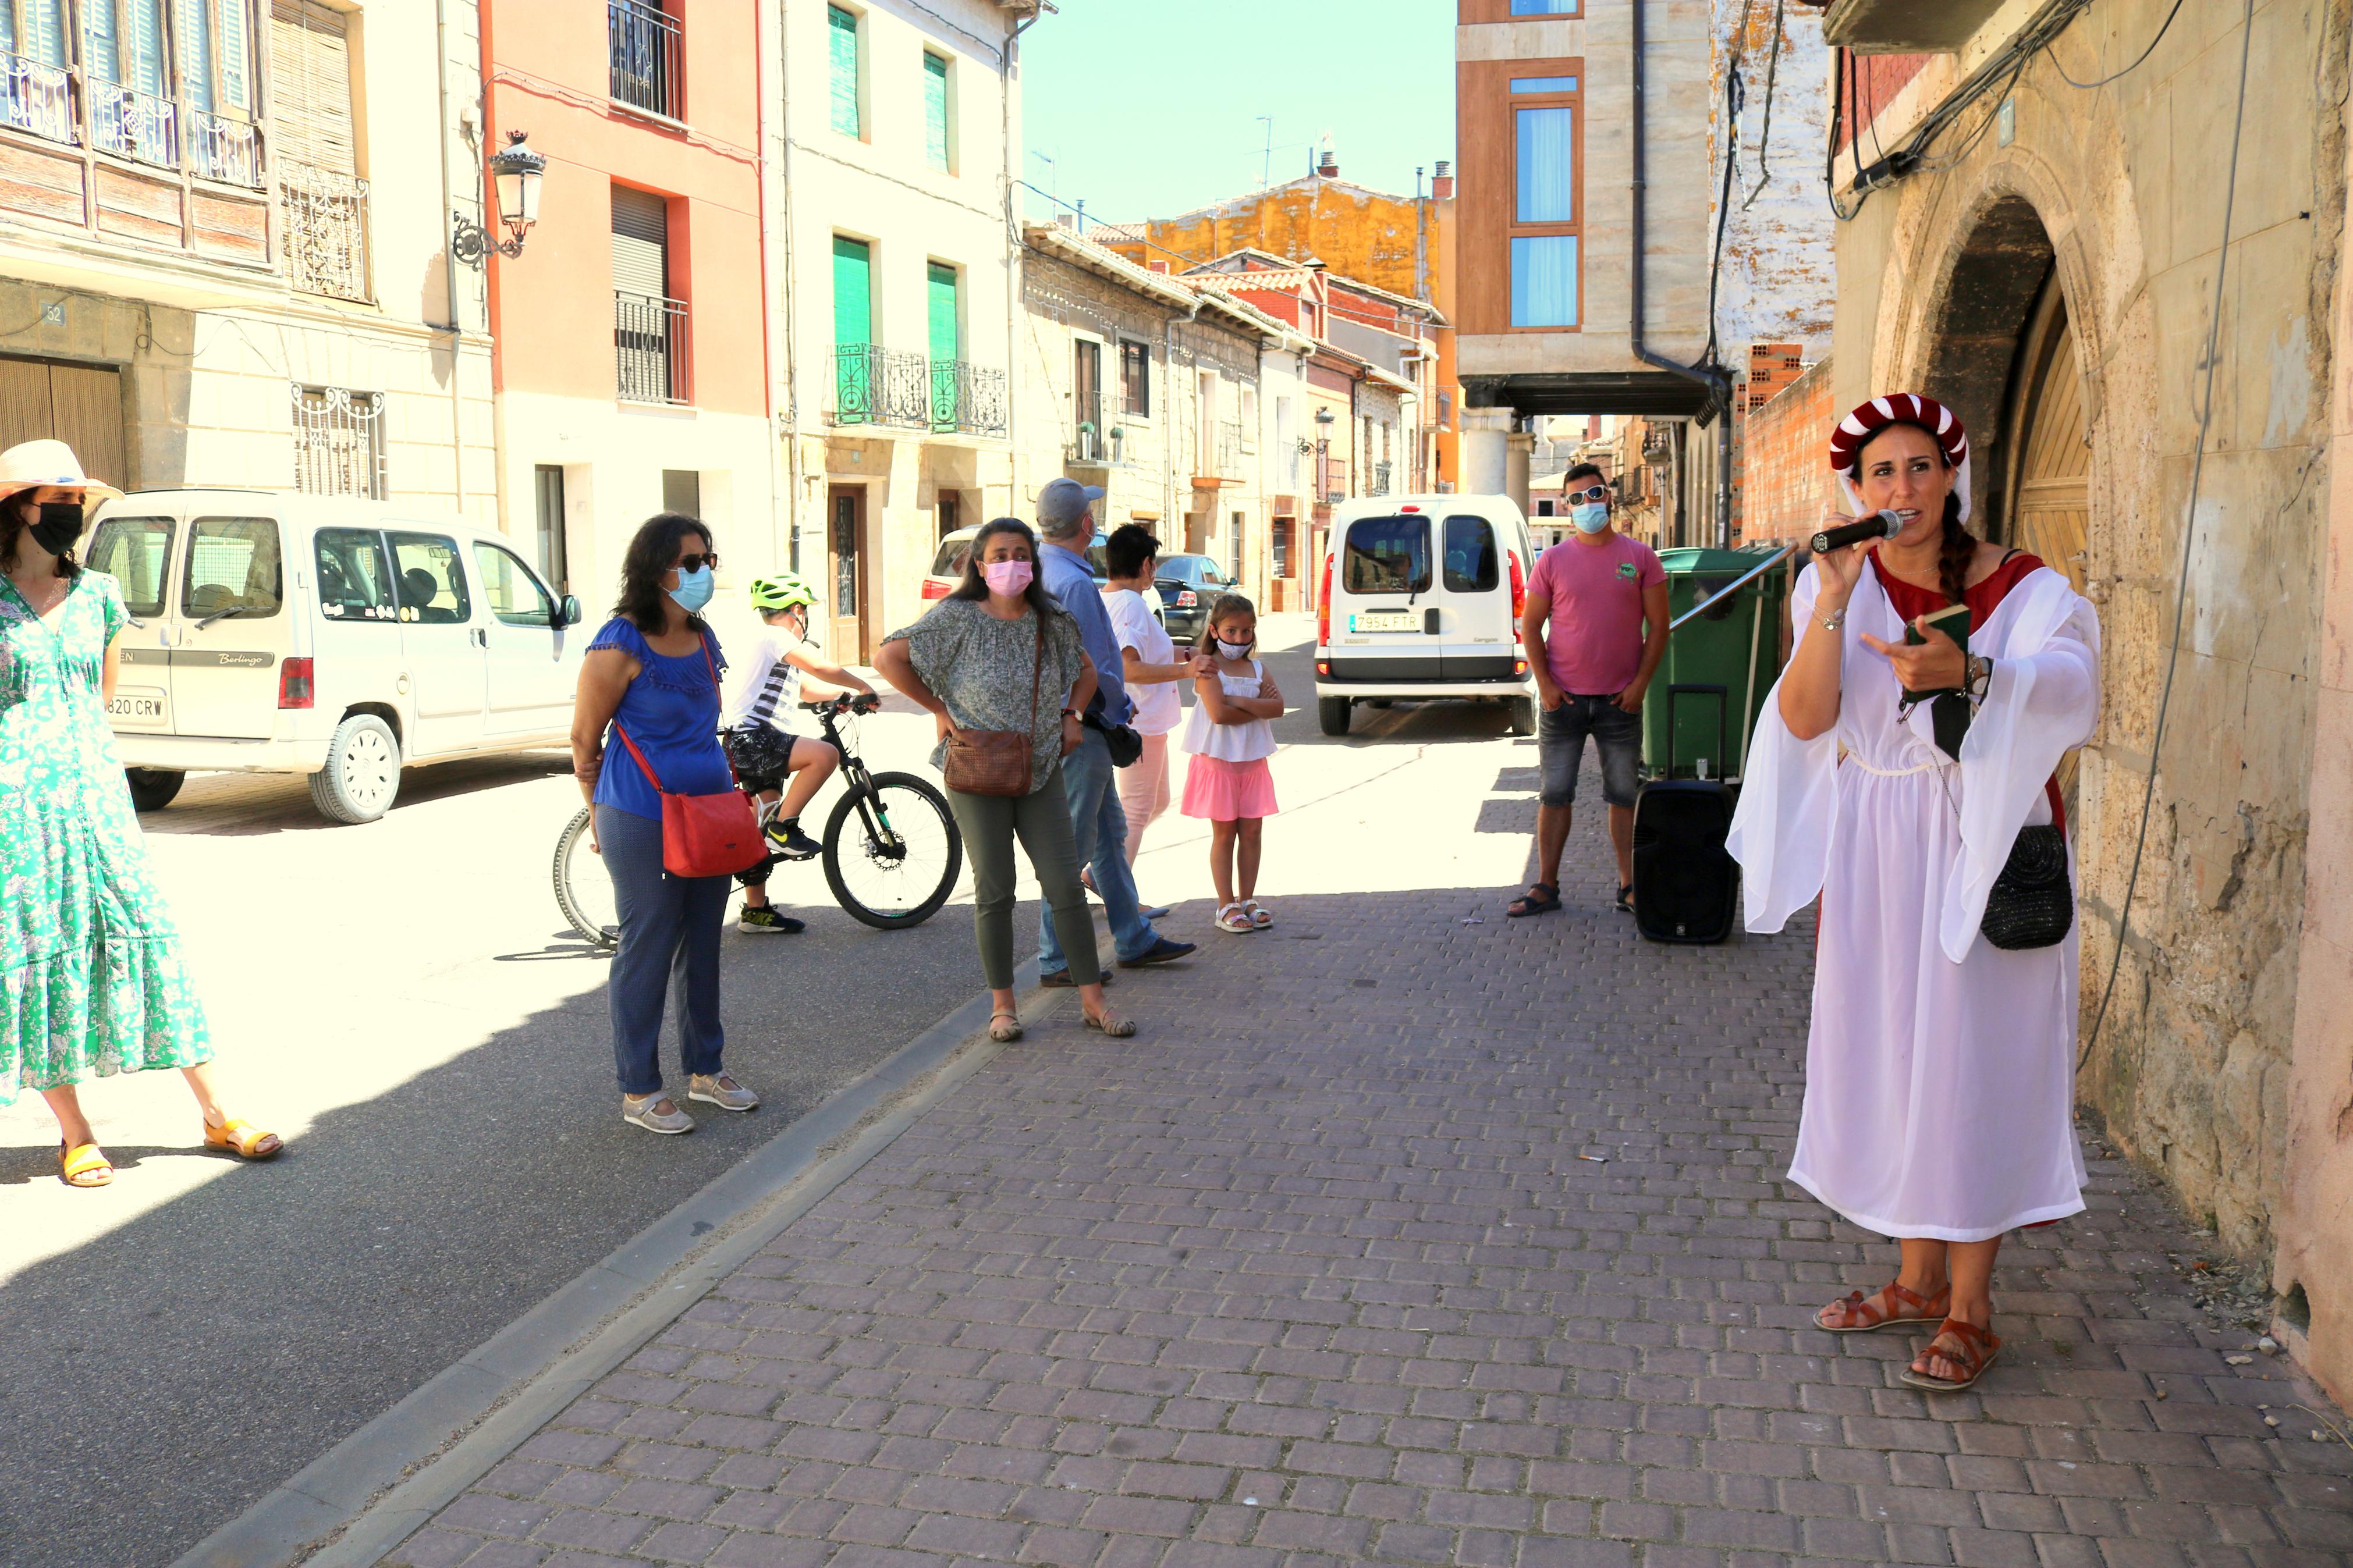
{"x":761,"y":744}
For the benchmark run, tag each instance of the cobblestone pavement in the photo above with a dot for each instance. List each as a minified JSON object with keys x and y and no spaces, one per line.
{"x":1321,"y":1275}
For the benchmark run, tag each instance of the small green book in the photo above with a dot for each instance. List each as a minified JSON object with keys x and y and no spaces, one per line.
{"x":1949,"y":708}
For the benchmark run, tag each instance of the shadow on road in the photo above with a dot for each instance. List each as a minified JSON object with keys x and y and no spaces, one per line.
{"x":229,"y":804}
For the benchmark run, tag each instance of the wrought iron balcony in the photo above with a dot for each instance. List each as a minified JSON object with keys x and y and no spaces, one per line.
{"x":1097,"y":438}
{"x":645,"y":58}
{"x":1230,"y":451}
{"x":650,"y":348}
{"x":37,"y":97}
{"x":966,"y":399}
{"x":324,"y":217}
{"x":223,"y":149}
{"x":1377,"y":482}
{"x":131,"y":124}
{"x":875,"y":385}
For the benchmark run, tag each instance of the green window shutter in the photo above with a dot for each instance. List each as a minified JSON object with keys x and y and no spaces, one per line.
{"x":935,"y":110}
{"x":943,"y":312}
{"x":853,"y":312}
{"x":844,"y":47}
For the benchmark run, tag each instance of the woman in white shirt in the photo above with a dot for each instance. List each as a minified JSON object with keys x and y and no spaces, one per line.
{"x":1152,"y":669}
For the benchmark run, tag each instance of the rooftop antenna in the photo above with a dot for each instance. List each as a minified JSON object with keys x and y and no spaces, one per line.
{"x":1266,"y":165}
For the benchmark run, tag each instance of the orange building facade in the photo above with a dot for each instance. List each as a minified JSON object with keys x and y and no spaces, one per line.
{"x":632,"y":368}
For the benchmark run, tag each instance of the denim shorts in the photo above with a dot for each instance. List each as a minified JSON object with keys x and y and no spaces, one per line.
{"x":1560,"y":748}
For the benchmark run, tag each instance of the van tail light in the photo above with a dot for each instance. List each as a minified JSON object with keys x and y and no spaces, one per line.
{"x":934,"y":588}
{"x":1519,"y":667}
{"x":1323,"y":607}
{"x":1519,"y":591}
{"x":295,"y":687}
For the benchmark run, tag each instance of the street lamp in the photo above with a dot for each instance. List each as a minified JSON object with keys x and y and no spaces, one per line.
{"x":1323,"y":455}
{"x":515,"y":174}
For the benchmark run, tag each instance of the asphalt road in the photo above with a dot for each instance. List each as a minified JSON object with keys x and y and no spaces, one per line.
{"x":403,"y":1001}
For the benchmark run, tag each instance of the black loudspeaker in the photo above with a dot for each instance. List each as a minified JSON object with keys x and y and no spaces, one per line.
{"x":1686,"y":888}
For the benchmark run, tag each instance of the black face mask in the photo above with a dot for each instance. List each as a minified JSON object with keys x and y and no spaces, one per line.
{"x":58,"y":526}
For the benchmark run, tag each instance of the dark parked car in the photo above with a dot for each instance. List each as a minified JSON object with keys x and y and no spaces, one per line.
{"x":1188,"y":585}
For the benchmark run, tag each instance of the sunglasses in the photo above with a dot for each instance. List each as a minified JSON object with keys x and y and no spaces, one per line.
{"x":1599,"y":492}
{"x":694,"y":562}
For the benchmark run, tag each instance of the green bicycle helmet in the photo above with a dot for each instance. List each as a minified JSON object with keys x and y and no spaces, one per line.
{"x":781,"y":592}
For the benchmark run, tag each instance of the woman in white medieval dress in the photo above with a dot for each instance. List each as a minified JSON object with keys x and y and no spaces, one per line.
{"x":1939,"y":1069}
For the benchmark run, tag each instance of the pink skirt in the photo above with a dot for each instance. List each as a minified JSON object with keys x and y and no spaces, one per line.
{"x":1228,"y":792}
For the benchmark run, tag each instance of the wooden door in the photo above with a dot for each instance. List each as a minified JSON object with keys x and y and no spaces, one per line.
{"x":2050,"y":510}
{"x":846,"y":555}
{"x":81,"y":405}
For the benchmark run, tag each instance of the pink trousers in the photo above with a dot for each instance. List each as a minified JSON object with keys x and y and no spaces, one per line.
{"x":1144,"y":791}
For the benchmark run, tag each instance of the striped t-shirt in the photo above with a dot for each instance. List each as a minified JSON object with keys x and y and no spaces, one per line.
{"x":770,"y":690}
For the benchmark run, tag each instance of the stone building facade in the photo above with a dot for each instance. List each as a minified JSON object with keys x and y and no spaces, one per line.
{"x":2054,"y":277}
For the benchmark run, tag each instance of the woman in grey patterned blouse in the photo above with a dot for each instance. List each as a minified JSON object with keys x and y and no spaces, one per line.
{"x":974,"y":662}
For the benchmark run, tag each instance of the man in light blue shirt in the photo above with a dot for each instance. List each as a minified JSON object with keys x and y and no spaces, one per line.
{"x":1066,"y":524}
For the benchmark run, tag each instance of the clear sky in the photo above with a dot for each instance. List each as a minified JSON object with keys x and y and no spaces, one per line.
{"x":1149,"y":107}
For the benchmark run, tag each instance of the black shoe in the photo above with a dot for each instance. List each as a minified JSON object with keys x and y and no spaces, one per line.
{"x":1059,"y":979}
{"x":1626,"y":900}
{"x":785,"y":837}
{"x":1162,"y":952}
{"x":766,"y":920}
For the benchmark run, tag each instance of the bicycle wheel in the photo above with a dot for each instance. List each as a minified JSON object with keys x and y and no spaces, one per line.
{"x":584,"y":889}
{"x":892,"y":855}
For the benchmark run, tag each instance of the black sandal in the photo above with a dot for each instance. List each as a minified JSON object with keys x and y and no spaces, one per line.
{"x":1541,"y":899}
{"x":1626,"y":898}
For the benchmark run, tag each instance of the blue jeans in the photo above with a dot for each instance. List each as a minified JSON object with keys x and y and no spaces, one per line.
{"x":670,"y":938}
{"x":1100,"y":825}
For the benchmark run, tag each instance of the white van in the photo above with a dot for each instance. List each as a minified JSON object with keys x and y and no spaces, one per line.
{"x":1421,"y":599}
{"x":296,"y":634}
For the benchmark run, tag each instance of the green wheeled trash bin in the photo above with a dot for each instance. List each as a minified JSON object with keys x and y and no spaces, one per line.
{"x":1722,"y":662}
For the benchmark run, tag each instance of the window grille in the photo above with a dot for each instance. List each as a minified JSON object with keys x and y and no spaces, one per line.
{"x":339,"y":442}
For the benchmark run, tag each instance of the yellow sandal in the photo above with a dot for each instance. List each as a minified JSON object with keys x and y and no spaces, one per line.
{"x":243,"y":1139}
{"x":84,"y":1165}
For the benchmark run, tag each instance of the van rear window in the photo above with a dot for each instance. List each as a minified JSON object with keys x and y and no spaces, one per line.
{"x":135,"y":552}
{"x":232,"y":568}
{"x":1386,"y":555}
{"x":1470,"y":563}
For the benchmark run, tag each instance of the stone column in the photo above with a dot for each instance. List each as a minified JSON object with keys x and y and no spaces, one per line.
{"x":1484,"y":459}
{"x":1519,"y":447}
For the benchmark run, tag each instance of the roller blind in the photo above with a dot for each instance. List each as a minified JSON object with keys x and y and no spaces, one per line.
{"x":936,"y":111}
{"x":310,"y":87}
{"x":842,"y":35}
{"x":943,"y":312}
{"x":853,"y":317}
{"x":640,"y":242}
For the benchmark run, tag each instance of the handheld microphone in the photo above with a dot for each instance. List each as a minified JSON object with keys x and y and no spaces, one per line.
{"x":1879,"y":525}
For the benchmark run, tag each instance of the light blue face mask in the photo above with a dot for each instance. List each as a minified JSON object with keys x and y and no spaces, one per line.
{"x":693,"y":590}
{"x":1591,"y":516}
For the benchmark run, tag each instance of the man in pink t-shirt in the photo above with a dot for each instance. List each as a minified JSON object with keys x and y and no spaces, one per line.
{"x":1605,"y":598}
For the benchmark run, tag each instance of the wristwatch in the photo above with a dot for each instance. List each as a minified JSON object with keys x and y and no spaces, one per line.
{"x":1977,"y":677}
{"x":1834,"y":620}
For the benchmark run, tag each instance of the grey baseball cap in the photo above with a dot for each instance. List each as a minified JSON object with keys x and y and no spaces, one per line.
{"x":1063,"y":502}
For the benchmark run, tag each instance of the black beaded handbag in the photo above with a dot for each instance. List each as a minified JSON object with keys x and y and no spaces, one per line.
{"x":2031,"y":904}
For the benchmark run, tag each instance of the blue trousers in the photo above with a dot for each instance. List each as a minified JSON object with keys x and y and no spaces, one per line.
{"x":1100,"y":825}
{"x":670,"y":940}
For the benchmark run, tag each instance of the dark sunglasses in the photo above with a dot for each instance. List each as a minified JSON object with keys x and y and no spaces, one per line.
{"x":694,"y":562}
{"x":1599,"y":492}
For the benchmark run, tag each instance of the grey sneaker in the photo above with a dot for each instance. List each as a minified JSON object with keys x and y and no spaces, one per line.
{"x":656,"y":1113}
{"x":722,"y":1090}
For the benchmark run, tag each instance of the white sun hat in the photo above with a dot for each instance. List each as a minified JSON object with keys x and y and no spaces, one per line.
{"x":30,"y":465}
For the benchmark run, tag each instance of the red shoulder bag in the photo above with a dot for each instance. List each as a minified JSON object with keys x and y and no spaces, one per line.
{"x":703,"y":835}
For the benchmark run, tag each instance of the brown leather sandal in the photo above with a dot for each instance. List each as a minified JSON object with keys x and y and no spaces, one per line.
{"x":1884,"y":1307}
{"x":1966,"y":1346}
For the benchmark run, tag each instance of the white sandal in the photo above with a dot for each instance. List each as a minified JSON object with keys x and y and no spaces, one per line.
{"x":1234,"y":918}
{"x":1258,"y":918}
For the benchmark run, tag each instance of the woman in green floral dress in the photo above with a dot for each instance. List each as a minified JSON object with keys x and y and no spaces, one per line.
{"x":90,"y":977}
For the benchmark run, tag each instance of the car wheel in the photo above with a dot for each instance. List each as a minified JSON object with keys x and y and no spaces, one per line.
{"x":1523,"y":711}
{"x":1332,"y":714}
{"x":152,"y":789}
{"x":363,"y":771}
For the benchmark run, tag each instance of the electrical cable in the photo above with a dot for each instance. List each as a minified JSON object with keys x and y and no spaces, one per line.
{"x":1765,"y":134}
{"x":2104,"y":82}
{"x":2189,"y":539}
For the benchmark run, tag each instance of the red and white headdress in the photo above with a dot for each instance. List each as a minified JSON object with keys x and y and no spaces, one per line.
{"x":1900,"y":408}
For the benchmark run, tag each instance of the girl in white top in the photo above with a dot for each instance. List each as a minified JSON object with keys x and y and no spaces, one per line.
{"x":1230,"y":735}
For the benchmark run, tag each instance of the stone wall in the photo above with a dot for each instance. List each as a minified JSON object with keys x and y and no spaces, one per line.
{"x":2118,"y":194}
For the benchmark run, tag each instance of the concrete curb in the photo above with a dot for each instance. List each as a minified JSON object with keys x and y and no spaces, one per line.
{"x":368,"y":1493}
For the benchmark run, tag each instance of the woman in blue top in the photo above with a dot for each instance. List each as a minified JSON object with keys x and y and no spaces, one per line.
{"x":652,"y":674}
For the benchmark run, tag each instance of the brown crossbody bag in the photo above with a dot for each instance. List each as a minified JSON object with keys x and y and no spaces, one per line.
{"x":997,"y":762}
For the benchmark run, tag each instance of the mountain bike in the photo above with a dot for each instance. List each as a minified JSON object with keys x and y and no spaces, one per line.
{"x":892,"y":847}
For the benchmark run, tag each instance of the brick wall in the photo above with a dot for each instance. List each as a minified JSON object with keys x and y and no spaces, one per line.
{"x":1783,"y":473}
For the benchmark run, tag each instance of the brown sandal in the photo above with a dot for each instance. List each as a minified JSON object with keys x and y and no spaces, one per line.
{"x":1966,"y":1346}
{"x":1884,"y":1308}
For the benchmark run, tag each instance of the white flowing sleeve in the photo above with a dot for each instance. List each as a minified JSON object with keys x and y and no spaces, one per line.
{"x":2043,"y":702}
{"x":1788,"y":802}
